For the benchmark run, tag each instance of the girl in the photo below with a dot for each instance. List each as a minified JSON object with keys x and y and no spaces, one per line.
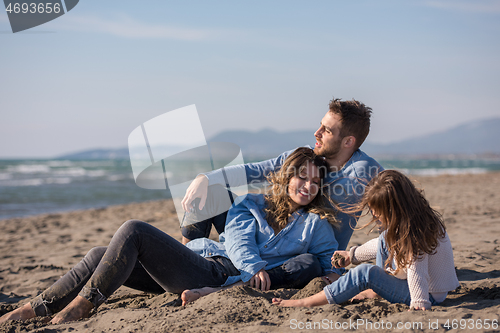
{"x":291,"y":248}
{"x":413,"y":253}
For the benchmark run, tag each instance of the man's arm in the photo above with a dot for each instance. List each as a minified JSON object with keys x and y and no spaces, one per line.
{"x":234,"y":176}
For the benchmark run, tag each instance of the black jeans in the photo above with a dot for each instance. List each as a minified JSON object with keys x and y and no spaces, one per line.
{"x":143,"y":257}
{"x":198,"y":223}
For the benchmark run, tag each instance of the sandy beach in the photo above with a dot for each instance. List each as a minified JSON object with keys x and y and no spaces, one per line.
{"x":35,"y":251}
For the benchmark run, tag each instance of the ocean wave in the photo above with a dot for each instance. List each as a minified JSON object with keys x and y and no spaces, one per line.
{"x":34,"y":182}
{"x":99,"y":163}
{"x":58,"y":180}
{"x":96,"y":173}
{"x":73,"y":172}
{"x":23,"y":182}
{"x":62,"y":163}
{"x":5,"y":175}
{"x":79,"y":172}
{"x":115,"y":178}
{"x":443,"y":171}
{"x":29,"y":168}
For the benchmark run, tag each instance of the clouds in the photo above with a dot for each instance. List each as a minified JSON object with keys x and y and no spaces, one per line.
{"x":103,"y":69}
{"x":127,"y":27}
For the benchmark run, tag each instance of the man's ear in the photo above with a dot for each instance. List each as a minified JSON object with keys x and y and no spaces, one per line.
{"x":349,"y":141}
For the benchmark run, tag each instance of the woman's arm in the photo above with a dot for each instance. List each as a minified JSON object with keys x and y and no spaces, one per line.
{"x":240,"y":241}
{"x":314,"y":300}
{"x":322,"y":245}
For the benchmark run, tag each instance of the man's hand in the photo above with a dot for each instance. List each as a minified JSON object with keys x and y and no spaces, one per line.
{"x":197,"y":189}
{"x":261,"y":281}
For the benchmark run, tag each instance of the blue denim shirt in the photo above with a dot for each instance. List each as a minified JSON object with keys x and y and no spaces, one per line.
{"x":345,"y":186}
{"x":251,"y":244}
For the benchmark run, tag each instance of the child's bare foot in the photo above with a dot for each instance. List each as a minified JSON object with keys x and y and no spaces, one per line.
{"x":365,"y":294}
{"x":191,"y":295}
{"x":285,"y":302}
{"x":78,"y":308}
{"x":25,"y":312}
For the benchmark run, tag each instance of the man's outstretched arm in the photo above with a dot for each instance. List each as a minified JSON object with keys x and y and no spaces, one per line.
{"x":235,"y":175}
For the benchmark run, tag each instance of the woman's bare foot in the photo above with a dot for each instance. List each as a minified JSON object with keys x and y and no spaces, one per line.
{"x":78,"y":308}
{"x":191,"y":295}
{"x":365,"y":294}
{"x":25,"y":312}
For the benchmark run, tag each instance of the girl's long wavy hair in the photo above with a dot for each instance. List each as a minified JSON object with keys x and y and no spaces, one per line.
{"x":413,"y":227}
{"x":279,"y":207}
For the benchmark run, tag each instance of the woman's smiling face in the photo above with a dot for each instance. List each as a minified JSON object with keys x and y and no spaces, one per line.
{"x":304,"y":187}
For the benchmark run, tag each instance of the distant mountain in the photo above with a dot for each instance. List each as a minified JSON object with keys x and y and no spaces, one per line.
{"x":254,"y":145}
{"x":477,"y":137}
{"x":267,"y":142}
{"x":98,"y":154}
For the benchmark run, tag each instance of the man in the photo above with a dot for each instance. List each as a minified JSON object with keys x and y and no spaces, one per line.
{"x":342,"y":131}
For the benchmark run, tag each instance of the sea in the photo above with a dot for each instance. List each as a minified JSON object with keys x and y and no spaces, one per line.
{"x":36,"y":186}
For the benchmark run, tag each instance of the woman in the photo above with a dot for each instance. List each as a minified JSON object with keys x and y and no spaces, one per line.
{"x":287,"y":222}
{"x":294,"y":247}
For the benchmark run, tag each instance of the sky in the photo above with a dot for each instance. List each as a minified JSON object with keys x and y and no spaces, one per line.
{"x":90,"y":77}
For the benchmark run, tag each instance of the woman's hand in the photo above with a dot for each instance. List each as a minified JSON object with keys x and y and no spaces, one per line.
{"x":261,"y":281}
{"x":341,"y":259}
{"x":197,"y":189}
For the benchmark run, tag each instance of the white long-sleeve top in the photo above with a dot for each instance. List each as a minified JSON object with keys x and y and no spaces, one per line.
{"x":434,"y":274}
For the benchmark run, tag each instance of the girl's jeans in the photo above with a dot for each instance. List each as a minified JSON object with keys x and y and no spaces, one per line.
{"x":143,"y":257}
{"x":373,"y":277}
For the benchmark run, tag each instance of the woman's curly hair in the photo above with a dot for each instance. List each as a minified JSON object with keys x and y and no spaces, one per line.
{"x":279,"y":204}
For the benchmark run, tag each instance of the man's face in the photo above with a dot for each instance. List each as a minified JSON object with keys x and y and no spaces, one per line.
{"x":328,"y":140}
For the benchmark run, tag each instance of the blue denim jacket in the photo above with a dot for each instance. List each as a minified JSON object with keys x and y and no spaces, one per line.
{"x":345,"y":186}
{"x":251,"y":244}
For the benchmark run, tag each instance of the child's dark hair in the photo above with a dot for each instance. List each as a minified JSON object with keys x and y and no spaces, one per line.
{"x":413,"y":227}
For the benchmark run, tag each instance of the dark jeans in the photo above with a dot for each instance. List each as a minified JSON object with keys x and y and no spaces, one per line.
{"x":143,"y":257}
{"x":198,"y":223}
{"x":202,"y":229}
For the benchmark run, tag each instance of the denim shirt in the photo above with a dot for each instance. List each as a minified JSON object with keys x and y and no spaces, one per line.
{"x":345,"y":186}
{"x":251,"y":244}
